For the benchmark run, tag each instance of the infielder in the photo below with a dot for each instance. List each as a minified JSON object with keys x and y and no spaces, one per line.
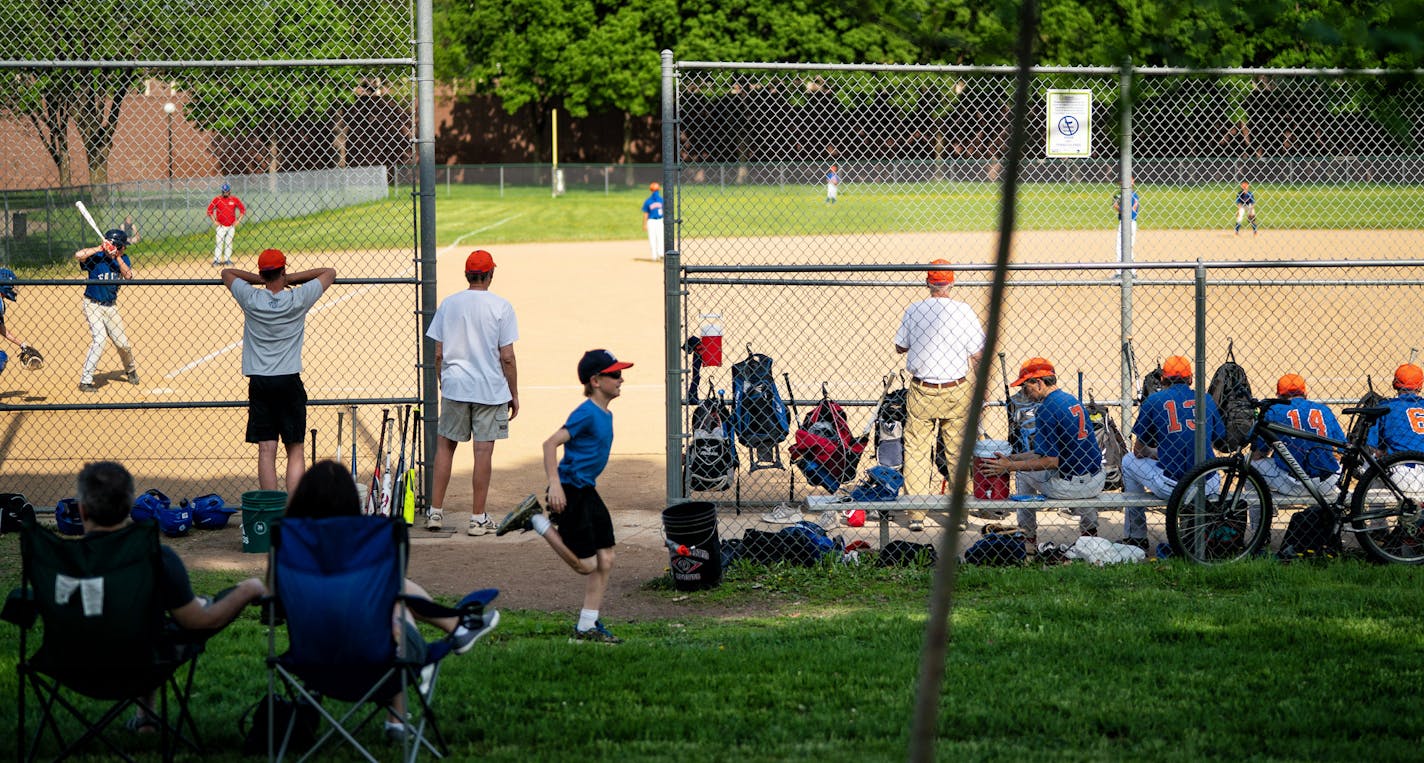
{"x":653,"y":220}
{"x":106,"y":262}
{"x":1246,"y":207}
{"x":833,"y":182}
{"x":226,"y":211}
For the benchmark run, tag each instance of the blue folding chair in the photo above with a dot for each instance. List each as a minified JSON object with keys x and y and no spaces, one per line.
{"x":335,"y":583}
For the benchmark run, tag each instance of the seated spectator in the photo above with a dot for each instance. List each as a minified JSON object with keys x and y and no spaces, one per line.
{"x":328,"y":490}
{"x":105,"y":495}
{"x":1318,"y":461}
{"x":1064,"y":460}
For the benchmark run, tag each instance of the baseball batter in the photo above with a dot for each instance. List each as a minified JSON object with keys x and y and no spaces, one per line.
{"x":833,"y":183}
{"x":226,"y":211}
{"x":653,"y":220}
{"x":1245,"y":207}
{"x":107,"y":263}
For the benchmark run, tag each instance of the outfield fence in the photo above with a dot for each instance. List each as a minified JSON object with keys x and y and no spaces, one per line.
{"x":142,"y":114}
{"x":1322,"y":284}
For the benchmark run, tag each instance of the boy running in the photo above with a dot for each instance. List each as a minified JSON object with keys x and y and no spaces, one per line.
{"x":580,"y":529}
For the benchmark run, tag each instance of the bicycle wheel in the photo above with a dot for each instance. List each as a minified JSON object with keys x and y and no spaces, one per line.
{"x":1219,"y":512}
{"x":1385,"y":509}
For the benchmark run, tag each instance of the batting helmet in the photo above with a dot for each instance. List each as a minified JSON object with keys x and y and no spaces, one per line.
{"x":117,"y":237}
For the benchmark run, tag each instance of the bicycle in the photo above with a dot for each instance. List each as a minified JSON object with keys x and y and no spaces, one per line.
{"x":1220,"y":511}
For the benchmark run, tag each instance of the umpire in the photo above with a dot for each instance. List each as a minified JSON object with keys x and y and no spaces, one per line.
{"x":273,"y":330}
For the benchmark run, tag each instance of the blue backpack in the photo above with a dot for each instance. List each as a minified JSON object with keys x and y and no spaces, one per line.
{"x":759,"y":416}
{"x":881,"y":483}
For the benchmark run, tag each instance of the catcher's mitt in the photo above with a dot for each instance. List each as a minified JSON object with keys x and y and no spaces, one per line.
{"x":31,"y":358}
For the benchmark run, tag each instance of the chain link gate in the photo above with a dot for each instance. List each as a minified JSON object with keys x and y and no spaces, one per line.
{"x":143,"y":112}
{"x":1319,"y":285}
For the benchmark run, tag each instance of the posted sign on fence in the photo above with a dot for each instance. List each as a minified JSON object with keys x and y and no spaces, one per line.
{"x":1070,"y":123}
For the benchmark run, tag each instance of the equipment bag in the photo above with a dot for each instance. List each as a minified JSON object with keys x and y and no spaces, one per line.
{"x":1370,"y":400}
{"x":711,"y":462}
{"x":1110,"y":441}
{"x":825,"y":450}
{"x":1023,"y":414}
{"x":997,"y":550}
{"x":759,"y":416}
{"x":1232,"y":392}
{"x":1152,"y":383}
{"x":1312,"y":531}
{"x":890,"y":429}
{"x":16,"y":511}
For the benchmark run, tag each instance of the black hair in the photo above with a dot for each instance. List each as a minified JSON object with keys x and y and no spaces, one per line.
{"x":106,"y":491}
{"x":476,"y":276}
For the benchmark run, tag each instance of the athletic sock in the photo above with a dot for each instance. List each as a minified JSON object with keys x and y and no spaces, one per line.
{"x":587,"y":618}
{"x":540,"y":522}
{"x":436,"y":510}
{"x":480,"y":517}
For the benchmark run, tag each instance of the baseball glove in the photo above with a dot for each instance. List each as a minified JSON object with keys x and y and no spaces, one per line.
{"x":31,"y":358}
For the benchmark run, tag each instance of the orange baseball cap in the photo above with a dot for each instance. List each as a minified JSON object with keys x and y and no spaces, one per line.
{"x":1034,"y":368}
{"x":654,"y":187}
{"x":479,"y":261}
{"x":940,"y":276}
{"x":271,"y":259}
{"x":1290,"y":384}
{"x":1408,"y":376}
{"x":1177,"y":367}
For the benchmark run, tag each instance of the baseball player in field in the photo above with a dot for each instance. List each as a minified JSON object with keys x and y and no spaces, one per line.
{"x":226,"y":211}
{"x":107,"y":263}
{"x":653,"y":220}
{"x":833,"y":183}
{"x":1117,"y":207}
{"x":1246,"y":207}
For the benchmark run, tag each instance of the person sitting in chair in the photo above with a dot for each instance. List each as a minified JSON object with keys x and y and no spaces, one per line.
{"x":105,"y":495}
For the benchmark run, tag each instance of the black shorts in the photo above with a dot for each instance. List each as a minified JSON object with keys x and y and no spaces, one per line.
{"x":276,"y":406}
{"x":584,"y":524}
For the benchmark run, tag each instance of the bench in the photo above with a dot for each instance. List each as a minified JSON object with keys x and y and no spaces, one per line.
{"x":936,"y":507}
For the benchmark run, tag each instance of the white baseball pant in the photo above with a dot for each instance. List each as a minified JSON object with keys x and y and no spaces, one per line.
{"x":655,"y":239}
{"x":104,"y":324}
{"x":222,"y":244}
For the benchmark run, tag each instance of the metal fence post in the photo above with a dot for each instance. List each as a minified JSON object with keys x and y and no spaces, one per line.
{"x":672,"y":288}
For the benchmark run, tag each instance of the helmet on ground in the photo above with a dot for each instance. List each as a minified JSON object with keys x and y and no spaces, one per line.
{"x":117,"y":237}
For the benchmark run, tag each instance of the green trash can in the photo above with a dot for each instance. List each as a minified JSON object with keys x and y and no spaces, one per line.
{"x":259,"y":509}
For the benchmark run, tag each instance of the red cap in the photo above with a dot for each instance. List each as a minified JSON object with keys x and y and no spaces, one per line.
{"x":1034,"y":368}
{"x":940,"y":276}
{"x":1177,"y":367}
{"x":1290,"y":384}
{"x":271,"y":259}
{"x":479,"y":261}
{"x":654,"y":187}
{"x":1408,"y":376}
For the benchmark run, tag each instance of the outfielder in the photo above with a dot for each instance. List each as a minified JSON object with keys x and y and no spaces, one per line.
{"x":1117,"y":207}
{"x":226,"y":211}
{"x":833,"y":183}
{"x":29,"y":357}
{"x":653,"y":220}
{"x":1245,"y":207}
{"x":108,"y":263}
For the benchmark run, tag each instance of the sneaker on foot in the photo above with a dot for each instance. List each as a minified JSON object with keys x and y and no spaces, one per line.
{"x":519,"y":518}
{"x":596,"y":635}
{"x":480,"y":527}
{"x":132,"y":376}
{"x":87,"y":387}
{"x":472,"y":628}
{"x":395,"y":731}
{"x":434,"y":519}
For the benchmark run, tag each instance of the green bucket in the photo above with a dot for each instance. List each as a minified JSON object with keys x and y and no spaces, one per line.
{"x":259,"y":509}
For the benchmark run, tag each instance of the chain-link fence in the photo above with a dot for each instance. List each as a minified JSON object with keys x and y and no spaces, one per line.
{"x":807,"y":202}
{"x":146,"y":115}
{"x":599,"y":178}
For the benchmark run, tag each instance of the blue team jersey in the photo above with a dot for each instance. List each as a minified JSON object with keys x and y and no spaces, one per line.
{"x":653,"y":206}
{"x":590,"y":440}
{"x":1403,"y":427}
{"x":831,"y":177}
{"x":1167,"y":422}
{"x":1117,"y":199}
{"x":1245,"y":197}
{"x":1062,"y":429}
{"x":1318,"y":460}
{"x":102,"y":268}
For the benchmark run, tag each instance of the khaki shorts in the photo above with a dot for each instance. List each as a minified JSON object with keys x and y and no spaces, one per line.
{"x":459,"y":421}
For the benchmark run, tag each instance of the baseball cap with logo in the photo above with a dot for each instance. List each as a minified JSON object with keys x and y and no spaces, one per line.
{"x":596,"y":362}
{"x":479,"y":261}
{"x":940,"y":276}
{"x":271,"y":259}
{"x":1290,"y":384}
{"x":1034,"y":368}
{"x":1408,"y":376}
{"x":1177,"y":367}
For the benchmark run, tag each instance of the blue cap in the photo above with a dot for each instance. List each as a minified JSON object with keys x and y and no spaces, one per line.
{"x":226,"y":187}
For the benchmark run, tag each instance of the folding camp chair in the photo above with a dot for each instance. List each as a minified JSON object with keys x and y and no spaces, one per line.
{"x":335,"y":583}
{"x":103,"y":637}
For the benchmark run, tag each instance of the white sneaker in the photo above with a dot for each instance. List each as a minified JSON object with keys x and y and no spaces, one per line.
{"x":480,"y":527}
{"x":829,"y":519}
{"x":433,"y":520}
{"x":782,"y":515}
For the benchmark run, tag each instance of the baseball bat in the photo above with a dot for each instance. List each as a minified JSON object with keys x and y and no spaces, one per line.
{"x":313,"y":434}
{"x":354,"y":430}
{"x":416,"y":457}
{"x":1008,"y":406}
{"x":387,"y":476}
{"x":373,"y":495}
{"x":337,"y":457}
{"x":401,"y":481}
{"x":83,"y":210}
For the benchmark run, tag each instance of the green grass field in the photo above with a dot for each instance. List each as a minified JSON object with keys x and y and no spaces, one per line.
{"x":1164,"y":661}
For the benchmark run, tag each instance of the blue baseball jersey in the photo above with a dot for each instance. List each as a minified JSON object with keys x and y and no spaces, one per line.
{"x":653,"y":206}
{"x":832,"y":177}
{"x":1318,"y":460}
{"x":102,"y":268}
{"x":1062,"y":429}
{"x":1403,"y":427}
{"x":1245,"y":197}
{"x":1167,"y":421}
{"x":1117,"y":199}
{"x":590,"y":441}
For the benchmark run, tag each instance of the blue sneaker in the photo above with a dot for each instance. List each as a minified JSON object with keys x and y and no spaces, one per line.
{"x":598,"y":634}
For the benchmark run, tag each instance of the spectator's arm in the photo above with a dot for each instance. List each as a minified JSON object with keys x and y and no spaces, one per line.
{"x":200,"y":614}
{"x":511,"y":376}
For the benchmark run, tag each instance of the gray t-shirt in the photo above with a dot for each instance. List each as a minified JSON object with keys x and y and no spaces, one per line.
{"x":275,"y":326}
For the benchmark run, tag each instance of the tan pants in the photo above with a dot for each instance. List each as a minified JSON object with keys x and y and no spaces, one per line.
{"x":932,"y":413}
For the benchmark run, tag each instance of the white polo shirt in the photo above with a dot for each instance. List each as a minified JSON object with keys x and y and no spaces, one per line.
{"x":941,"y":334}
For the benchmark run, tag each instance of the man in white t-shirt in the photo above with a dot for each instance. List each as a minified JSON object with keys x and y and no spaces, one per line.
{"x":474,"y":333}
{"x":943,"y":343}
{"x":273,"y":330}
